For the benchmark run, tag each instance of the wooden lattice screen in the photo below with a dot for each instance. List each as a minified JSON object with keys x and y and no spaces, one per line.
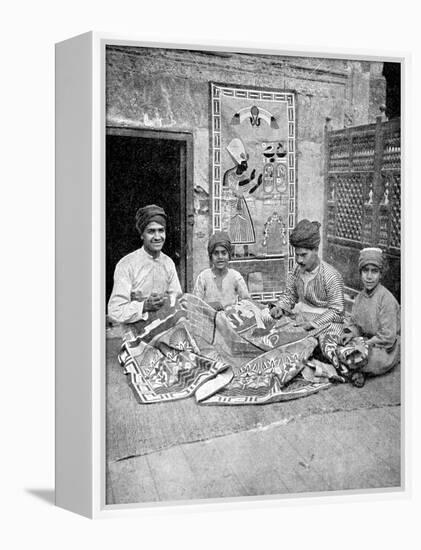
{"x":363,"y":198}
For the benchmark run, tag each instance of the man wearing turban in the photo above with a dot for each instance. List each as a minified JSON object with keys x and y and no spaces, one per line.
{"x":145,"y":278}
{"x":314,"y":290}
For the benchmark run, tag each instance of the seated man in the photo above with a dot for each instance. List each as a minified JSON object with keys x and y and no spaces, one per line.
{"x":314,"y":290}
{"x":145,"y":278}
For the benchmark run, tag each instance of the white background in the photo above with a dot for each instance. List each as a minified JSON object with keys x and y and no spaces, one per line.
{"x":28,"y":33}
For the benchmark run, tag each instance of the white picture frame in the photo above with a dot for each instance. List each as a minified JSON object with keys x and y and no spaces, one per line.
{"x":80,"y":277}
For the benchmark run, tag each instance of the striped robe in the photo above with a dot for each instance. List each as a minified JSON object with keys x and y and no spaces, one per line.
{"x":325,"y":290}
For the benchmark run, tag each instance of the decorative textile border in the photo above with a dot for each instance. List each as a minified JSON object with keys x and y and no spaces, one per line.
{"x":287,"y":98}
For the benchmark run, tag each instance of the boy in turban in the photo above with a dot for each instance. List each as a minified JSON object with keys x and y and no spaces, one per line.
{"x":220,"y":286}
{"x":371,"y":344}
{"x":145,"y":278}
{"x":314,"y":290}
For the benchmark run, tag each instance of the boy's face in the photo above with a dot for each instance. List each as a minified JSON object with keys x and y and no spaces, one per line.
{"x":220,"y":257}
{"x":307,"y":258}
{"x":153,"y":237}
{"x":370,"y":277}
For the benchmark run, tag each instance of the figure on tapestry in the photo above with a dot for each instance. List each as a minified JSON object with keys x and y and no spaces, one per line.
{"x":255,"y":116}
{"x":274,"y":235}
{"x":274,"y":168}
{"x":235,"y":186}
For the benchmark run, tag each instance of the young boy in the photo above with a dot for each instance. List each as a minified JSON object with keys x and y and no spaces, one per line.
{"x":372,"y":336}
{"x":220,"y":286}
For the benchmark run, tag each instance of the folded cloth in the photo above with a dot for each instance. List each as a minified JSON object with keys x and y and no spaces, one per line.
{"x":353,"y":355}
{"x":191,"y":350}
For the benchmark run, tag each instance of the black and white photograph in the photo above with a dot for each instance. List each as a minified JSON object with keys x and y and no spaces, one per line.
{"x":252,"y":274}
{"x":210,"y":293}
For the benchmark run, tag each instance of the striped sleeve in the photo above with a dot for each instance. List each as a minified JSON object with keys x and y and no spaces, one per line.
{"x":334,"y":288}
{"x":289,"y":297}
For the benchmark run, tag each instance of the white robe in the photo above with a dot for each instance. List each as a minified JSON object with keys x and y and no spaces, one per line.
{"x":140,"y":272}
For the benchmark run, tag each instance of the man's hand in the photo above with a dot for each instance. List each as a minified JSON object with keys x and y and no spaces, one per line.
{"x":306,"y":325}
{"x":154,"y":302}
{"x":346,"y":338}
{"x":276,"y":312}
{"x":137,"y":296}
{"x":369,"y":343}
{"x":217,"y":306}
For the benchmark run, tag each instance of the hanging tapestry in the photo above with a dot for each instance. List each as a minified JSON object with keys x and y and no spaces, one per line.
{"x":253,"y":181}
{"x":239,"y":356}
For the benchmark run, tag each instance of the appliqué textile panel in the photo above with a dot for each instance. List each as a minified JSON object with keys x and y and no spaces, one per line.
{"x":253,"y":178}
{"x":271,"y":377}
{"x":236,"y":357}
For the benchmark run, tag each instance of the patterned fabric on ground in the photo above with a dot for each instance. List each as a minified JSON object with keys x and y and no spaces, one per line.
{"x":359,"y":355}
{"x":172,"y":369}
{"x":271,"y":377}
{"x":318,"y":371}
{"x":354,"y":354}
{"x":226,"y":358}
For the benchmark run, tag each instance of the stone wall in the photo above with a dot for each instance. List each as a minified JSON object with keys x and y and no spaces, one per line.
{"x":169,"y":90}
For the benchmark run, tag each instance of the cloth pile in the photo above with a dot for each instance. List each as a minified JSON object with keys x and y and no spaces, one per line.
{"x":239,"y":356}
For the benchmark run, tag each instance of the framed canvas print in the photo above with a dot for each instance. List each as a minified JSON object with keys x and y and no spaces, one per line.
{"x":229,"y":294}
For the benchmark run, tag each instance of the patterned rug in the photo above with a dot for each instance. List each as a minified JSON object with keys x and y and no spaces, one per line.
{"x":236,"y":357}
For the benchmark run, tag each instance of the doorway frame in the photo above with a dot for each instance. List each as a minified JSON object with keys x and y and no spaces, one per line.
{"x":186,"y":187}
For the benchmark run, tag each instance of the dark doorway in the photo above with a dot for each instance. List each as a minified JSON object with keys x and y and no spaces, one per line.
{"x":148,"y":167}
{"x":392,"y":73}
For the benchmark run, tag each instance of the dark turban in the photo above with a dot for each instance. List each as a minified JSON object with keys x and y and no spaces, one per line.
{"x":305,"y":235}
{"x":148,"y":214}
{"x":219,"y":238}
